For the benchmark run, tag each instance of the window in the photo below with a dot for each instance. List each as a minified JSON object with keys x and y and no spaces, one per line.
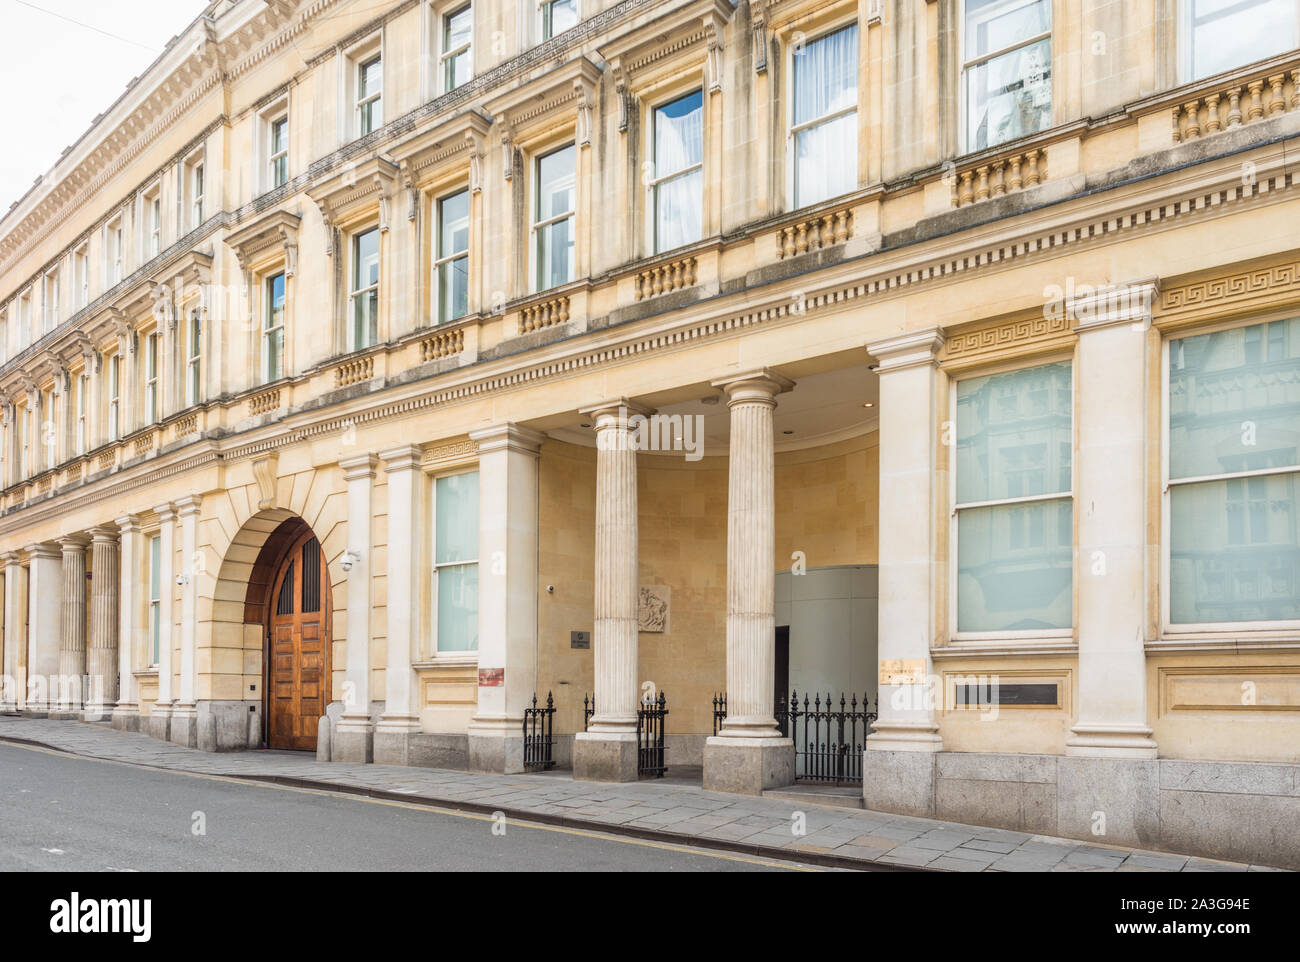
{"x":1218,"y":35}
{"x":1234,"y":475}
{"x":193,"y":357}
{"x":115,"y":397}
{"x":4,"y":335}
{"x":279,"y":156}
{"x":113,"y":253}
{"x":370,"y":93}
{"x":273,"y":330}
{"x":50,"y":303}
{"x":455,"y":562}
{"x":81,"y":276}
{"x":155,"y":599}
{"x":47,"y":454}
{"x":457,"y":35}
{"x":452,"y":261}
{"x":196,"y":194}
{"x":677,"y":190}
{"x":1014,"y":526}
{"x":151,"y":379}
{"x":824,"y":117}
{"x":558,"y":16}
{"x":79,"y":438}
{"x":364,"y":297}
{"x":153,"y":224}
{"x":555,"y":189}
{"x":24,"y":319}
{"x":1007,"y":70}
{"x":22,"y":425}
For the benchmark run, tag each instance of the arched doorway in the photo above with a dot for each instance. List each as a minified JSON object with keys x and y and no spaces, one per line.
{"x":296,"y":620}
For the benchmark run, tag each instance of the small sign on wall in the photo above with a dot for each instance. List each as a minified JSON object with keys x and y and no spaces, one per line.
{"x":580,"y":639}
{"x":902,"y":671}
{"x":491,"y":677}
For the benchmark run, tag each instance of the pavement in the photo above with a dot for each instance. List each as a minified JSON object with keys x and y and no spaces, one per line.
{"x":670,"y":811}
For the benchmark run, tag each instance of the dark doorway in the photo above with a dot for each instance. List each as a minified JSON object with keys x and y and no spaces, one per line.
{"x":781,"y":675}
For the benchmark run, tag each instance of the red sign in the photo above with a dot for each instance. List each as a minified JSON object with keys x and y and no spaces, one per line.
{"x":491,"y":677}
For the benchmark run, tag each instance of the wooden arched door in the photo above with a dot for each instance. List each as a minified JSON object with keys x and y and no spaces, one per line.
{"x":298,"y":647}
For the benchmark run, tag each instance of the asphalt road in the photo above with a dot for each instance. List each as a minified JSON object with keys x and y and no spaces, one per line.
{"x":61,"y":813}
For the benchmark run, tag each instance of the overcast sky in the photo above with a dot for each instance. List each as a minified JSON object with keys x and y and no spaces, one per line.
{"x":57,"y":74}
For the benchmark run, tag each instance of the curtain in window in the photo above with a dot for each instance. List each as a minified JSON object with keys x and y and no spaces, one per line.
{"x":556,"y":195}
{"x":825,"y":82}
{"x":1015,"y":557}
{"x":456,"y":557}
{"x":1009,"y":95}
{"x":1234,"y":409}
{"x":679,"y":145}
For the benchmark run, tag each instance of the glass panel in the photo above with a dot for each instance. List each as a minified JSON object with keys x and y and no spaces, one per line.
{"x":1014,"y":436}
{"x":274,"y":340}
{"x":453,"y":289}
{"x":453,"y":224}
{"x":155,"y":568}
{"x":1009,"y":96}
{"x":1015,"y":567}
{"x":826,"y":160}
{"x":678,"y":204}
{"x":1234,"y":554}
{"x":458,"y":608}
{"x":1234,"y":400}
{"x":456,"y":520}
{"x":679,"y":134}
{"x":555,"y":254}
{"x":1229,"y":33}
{"x":556,"y":181}
{"x":993,"y":25}
{"x":365,"y":320}
{"x":826,"y":75}
{"x":558,"y":16}
{"x":311,"y":576}
{"x":458,"y":29}
{"x":365,"y":260}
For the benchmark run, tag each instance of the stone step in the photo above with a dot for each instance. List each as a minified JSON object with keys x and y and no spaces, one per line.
{"x":832,"y":796}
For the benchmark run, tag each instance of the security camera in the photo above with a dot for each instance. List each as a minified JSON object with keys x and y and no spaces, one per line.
{"x":550,"y":589}
{"x":181,"y":579}
{"x":349,"y":559}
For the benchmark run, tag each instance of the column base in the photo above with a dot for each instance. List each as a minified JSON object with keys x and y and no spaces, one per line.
{"x":904,"y":736}
{"x":496,"y":750}
{"x":747,"y":766}
{"x":158,"y":723}
{"x":126,"y":718}
{"x":392,"y":739}
{"x":353,"y":741}
{"x":901,"y":781}
{"x":97,"y":713}
{"x":184,"y":726}
{"x":1097,"y":740}
{"x":605,"y":757}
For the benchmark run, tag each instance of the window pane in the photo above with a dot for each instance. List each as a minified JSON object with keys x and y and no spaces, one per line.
{"x":1009,"y":96}
{"x":458,"y":29}
{"x":826,"y":75}
{"x":679,"y":134}
{"x":555,"y":183}
{"x":458,"y":70}
{"x":458,"y":608}
{"x":453,"y":224}
{"x":155,"y":567}
{"x":275,"y":301}
{"x":826,"y":160}
{"x":371,"y":79}
{"x":678,"y":205}
{"x":456,"y":521}
{"x":365,"y":260}
{"x":1227,"y":34}
{"x":1234,"y":400}
{"x":993,"y":25}
{"x":453,"y":289}
{"x":365,"y":319}
{"x":1015,"y":567}
{"x":1014,"y":436}
{"x":1234,"y":554}
{"x":555,"y":254}
{"x":558,"y":16}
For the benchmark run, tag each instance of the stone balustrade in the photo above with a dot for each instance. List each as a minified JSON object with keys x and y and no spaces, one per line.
{"x":667,"y":277}
{"x":354,"y":371}
{"x":999,"y":176}
{"x":1241,"y":103}
{"x":814,"y":233}
{"x":442,"y":344}
{"x":188,"y":424}
{"x":264,"y":402}
{"x":544,"y":313}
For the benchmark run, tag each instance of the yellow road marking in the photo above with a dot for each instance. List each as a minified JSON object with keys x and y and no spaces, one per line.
{"x":519,"y":822}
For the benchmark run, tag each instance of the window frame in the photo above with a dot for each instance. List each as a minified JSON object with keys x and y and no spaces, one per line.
{"x":536,"y":225}
{"x":1024,"y":636}
{"x":435,"y":566}
{"x":277,"y":161}
{"x":1186,"y":43}
{"x":658,"y":180}
{"x":155,"y":600}
{"x":80,"y":434}
{"x":441,"y":260}
{"x":114,"y":397}
{"x":792,"y":130}
{"x":193,"y":356}
{"x":447,"y":57}
{"x":50,"y":300}
{"x":353,"y":267}
{"x":964,"y":66}
{"x":152,"y":367}
{"x":81,"y":275}
{"x":268,"y":329}
{"x":544,"y":31}
{"x":1182,"y":631}
{"x":364,"y":103}
{"x":198,"y":190}
{"x":114,"y":259}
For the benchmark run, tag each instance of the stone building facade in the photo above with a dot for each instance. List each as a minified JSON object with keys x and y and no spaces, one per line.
{"x":392,"y":364}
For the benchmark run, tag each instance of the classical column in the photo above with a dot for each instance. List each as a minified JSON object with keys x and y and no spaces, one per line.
{"x":1113,"y":377}
{"x":507,"y":595}
{"x":910,"y":432}
{"x":749,"y":754}
{"x":44,"y":595}
{"x":607,"y":750}
{"x":101,"y":657}
{"x":354,"y":738}
{"x":72,"y":627}
{"x":14,"y":692}
{"x":401,"y":717}
{"x":126,"y":714}
{"x":184,"y":718}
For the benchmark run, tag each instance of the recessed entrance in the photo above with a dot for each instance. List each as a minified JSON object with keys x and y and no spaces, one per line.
{"x":295,"y":616}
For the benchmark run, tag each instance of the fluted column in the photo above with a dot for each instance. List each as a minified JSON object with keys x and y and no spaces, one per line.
{"x":15,"y":660}
{"x":126,"y":714}
{"x":184,"y":717}
{"x":354,"y":738}
{"x":45,"y":591}
{"x":72,"y":625}
{"x":101,"y":656}
{"x":607,"y":750}
{"x":749,"y":753}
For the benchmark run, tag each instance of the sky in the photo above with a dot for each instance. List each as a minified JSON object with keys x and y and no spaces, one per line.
{"x":58,"y":74}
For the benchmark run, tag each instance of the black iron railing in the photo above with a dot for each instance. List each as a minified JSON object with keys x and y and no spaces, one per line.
{"x":719,"y":711}
{"x":650,"y":736}
{"x":539,"y":735}
{"x":588,"y":709}
{"x":828,"y":739}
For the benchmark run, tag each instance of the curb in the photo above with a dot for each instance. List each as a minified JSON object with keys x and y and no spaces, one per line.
{"x":822,"y":859}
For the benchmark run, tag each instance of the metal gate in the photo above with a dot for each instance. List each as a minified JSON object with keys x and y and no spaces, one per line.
{"x":828,"y":739}
{"x":539,"y":735}
{"x":650,"y":736}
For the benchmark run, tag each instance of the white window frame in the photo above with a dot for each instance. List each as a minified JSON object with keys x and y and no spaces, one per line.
{"x":538,"y":225}
{"x":1170,"y":631}
{"x":354,"y":247}
{"x":50,"y":301}
{"x":114,"y":266}
{"x":543,"y":7}
{"x":269,"y":329}
{"x":80,"y":436}
{"x":81,"y":276}
{"x":26,"y":335}
{"x":793,"y":130}
{"x":441,"y":260}
{"x":197,"y":188}
{"x":964,"y":65}
{"x":152,"y":367}
{"x":447,"y":55}
{"x":115,"y":397}
{"x":653,"y":185}
{"x":193,"y":356}
{"x":155,"y":601}
{"x":368,"y":99}
{"x":954,"y":508}
{"x":275,"y":157}
{"x":151,"y":222}
{"x":437,"y":567}
{"x":23,"y":424}
{"x":1186,"y":50}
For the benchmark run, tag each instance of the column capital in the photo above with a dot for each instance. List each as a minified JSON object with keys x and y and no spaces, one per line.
{"x":104,"y":534}
{"x":408,"y":457}
{"x":907,"y":350}
{"x":12,"y":559}
{"x":1113,"y":304}
{"x":359,"y":466}
{"x":73,"y":543}
{"x":188,"y":505}
{"x":43,"y":551}
{"x":621,"y":409}
{"x":166,"y":512}
{"x":761,"y":386}
{"x":507,"y":437}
